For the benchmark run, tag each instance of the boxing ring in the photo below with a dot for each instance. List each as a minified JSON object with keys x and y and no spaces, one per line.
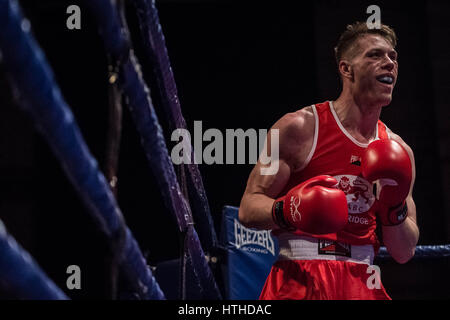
{"x":39,"y":96}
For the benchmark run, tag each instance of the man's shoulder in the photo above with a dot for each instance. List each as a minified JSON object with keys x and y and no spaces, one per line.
{"x":399,"y":139}
{"x":296,"y":134}
{"x":297,"y":124}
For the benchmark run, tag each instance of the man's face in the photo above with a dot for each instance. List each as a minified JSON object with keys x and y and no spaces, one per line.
{"x":375,"y":70}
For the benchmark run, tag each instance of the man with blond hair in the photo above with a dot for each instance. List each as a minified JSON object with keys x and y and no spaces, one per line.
{"x":341,"y":173}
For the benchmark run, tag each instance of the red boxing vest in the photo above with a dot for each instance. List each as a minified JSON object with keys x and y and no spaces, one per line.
{"x":336,"y":153}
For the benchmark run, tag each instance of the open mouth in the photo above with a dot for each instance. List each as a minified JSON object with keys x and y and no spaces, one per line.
{"x":386,"y":79}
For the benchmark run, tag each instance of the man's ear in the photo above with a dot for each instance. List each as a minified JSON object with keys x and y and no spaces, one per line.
{"x":346,"y":69}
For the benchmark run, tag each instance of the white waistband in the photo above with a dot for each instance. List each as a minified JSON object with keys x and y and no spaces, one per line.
{"x":293,"y":247}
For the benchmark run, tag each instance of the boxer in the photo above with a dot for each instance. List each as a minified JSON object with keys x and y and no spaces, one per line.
{"x":341,"y":172}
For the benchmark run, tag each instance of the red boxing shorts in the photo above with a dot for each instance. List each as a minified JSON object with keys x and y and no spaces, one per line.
{"x":312,"y":269}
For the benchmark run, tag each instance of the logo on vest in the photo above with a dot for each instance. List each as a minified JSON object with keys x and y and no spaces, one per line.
{"x":356,"y":160}
{"x":358,"y":192}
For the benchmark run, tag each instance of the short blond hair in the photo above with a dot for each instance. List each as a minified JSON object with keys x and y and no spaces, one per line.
{"x":355,"y":31}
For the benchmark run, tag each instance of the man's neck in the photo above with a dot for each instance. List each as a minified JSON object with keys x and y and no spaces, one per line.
{"x":357,"y":118}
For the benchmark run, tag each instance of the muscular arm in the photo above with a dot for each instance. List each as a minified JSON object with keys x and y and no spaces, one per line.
{"x":295,"y":140}
{"x":401,"y":240}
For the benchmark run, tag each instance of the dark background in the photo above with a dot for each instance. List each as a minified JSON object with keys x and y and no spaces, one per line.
{"x":236,"y":66}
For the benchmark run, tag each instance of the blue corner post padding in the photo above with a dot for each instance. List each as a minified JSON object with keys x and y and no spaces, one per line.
{"x":250,"y":254}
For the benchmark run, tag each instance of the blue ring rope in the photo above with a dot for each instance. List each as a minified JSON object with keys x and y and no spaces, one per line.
{"x":34,"y":83}
{"x":21,"y":276}
{"x":113,"y":29}
{"x":156,"y":53}
{"x":422,"y":252}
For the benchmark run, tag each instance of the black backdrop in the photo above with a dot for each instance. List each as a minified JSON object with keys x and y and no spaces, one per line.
{"x":236,"y":66}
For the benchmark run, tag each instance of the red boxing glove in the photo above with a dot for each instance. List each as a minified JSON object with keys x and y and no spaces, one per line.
{"x":386,"y":163}
{"x":315,"y":206}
